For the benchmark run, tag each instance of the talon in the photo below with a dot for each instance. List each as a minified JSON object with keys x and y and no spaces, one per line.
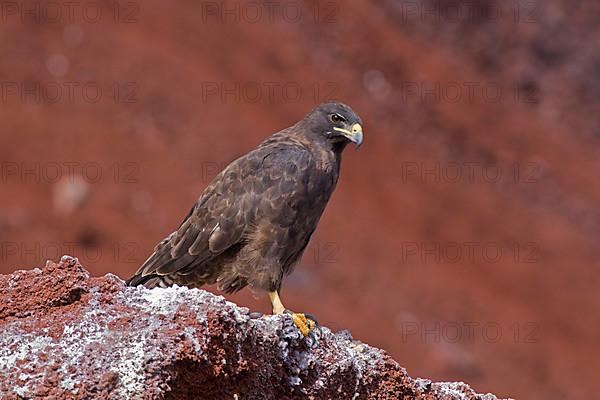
{"x":304,"y":324}
{"x":312,"y":319}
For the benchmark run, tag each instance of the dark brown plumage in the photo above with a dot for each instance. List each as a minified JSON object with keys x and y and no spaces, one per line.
{"x":252,"y":223}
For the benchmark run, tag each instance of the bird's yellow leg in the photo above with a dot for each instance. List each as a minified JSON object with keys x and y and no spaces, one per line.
{"x":278,"y":307}
{"x":305,"y":325}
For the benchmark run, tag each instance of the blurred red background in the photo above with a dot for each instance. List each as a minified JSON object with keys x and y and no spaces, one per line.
{"x":463,"y":235}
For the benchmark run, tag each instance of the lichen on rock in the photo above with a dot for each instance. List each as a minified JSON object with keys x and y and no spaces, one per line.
{"x":70,"y":336}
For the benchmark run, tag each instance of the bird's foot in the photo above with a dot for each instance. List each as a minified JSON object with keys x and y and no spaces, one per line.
{"x":306,"y":323}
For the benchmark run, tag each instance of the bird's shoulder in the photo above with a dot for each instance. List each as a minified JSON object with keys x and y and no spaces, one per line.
{"x":261,"y":169}
{"x":272,"y":157}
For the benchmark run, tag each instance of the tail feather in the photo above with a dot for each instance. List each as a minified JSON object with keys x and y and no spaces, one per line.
{"x":150,"y":281}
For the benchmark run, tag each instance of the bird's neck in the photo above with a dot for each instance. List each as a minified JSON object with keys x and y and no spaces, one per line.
{"x":327,"y":153}
{"x":328,"y":158}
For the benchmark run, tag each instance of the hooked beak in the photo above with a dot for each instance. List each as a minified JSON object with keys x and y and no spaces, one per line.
{"x":354,"y":134}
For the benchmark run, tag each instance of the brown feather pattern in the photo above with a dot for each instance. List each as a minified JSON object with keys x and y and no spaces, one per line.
{"x":252,"y":223}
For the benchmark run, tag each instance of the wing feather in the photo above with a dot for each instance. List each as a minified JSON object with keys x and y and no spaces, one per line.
{"x":226,"y":212}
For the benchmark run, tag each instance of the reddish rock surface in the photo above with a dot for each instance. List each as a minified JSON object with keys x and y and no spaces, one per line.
{"x":67,"y":335}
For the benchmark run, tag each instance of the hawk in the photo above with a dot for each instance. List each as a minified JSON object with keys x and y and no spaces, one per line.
{"x":252,"y":223}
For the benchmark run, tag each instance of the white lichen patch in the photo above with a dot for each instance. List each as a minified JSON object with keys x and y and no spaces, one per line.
{"x":159,"y":300}
{"x":342,"y":354}
{"x":68,"y":384}
{"x":192,"y":336}
{"x":17,"y":348}
{"x":295,"y":381}
{"x":165,"y":301}
{"x":130,"y":367}
{"x":125,"y":351}
{"x":453,"y":389}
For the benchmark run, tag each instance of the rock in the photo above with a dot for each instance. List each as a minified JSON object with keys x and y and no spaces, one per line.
{"x":67,"y":335}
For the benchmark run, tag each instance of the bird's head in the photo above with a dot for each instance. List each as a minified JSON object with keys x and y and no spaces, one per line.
{"x":336,"y":123}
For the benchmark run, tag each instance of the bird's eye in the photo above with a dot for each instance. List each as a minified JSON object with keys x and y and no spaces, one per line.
{"x":337,"y":118}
